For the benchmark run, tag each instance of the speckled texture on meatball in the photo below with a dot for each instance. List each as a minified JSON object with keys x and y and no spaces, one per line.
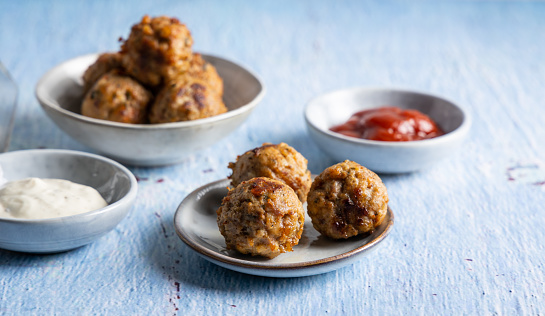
{"x":347,"y":199}
{"x":261,"y":217}
{"x":118,"y":98}
{"x":280,"y":162}
{"x":105,"y":63}
{"x":199,"y":68}
{"x":184,"y":99}
{"x":158,"y":49}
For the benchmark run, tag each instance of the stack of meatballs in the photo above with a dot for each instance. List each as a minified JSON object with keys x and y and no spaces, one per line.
{"x":154,"y":78}
{"x":263,"y":213}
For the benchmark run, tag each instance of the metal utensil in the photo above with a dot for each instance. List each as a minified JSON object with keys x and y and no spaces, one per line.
{"x":8,"y":103}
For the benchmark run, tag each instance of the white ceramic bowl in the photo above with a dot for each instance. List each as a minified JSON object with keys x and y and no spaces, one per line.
{"x":115,"y":183}
{"x":60,"y":93}
{"x":335,"y":108}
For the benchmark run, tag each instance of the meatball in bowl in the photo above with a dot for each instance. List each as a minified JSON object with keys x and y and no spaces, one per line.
{"x":149,"y":113}
{"x":186,"y":98}
{"x":118,"y":98}
{"x":158,"y":48}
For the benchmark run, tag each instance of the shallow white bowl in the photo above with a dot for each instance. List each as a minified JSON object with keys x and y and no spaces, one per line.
{"x":336,"y":108}
{"x":195,"y":223}
{"x":60,"y":92}
{"x":115,"y":183}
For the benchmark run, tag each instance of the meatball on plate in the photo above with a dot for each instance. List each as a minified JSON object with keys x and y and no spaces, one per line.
{"x":280,"y":162}
{"x":346,"y":200}
{"x":262,"y":217}
{"x":196,"y":223}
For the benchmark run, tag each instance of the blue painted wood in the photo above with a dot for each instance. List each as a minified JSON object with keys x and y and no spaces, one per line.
{"x":469,"y":234}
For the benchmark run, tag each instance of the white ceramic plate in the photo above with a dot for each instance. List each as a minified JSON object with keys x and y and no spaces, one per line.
{"x":195,"y":223}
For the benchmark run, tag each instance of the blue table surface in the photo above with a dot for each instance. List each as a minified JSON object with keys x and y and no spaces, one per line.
{"x":469,"y":234}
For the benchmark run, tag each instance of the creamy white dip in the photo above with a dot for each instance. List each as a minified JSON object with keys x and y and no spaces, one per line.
{"x":35,"y":198}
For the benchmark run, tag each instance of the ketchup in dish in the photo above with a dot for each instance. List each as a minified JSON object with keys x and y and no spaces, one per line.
{"x":389,"y":123}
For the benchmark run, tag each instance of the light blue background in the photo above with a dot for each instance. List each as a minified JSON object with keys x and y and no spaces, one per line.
{"x":469,"y":232}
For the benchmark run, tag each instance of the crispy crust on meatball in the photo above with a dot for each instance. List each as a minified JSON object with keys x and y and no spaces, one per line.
{"x":158,"y":56}
{"x":185,"y":98}
{"x":104,"y":64}
{"x":118,"y":98}
{"x":157,"y":50}
{"x":280,"y":162}
{"x":261,"y":217}
{"x":199,"y":68}
{"x":347,"y":199}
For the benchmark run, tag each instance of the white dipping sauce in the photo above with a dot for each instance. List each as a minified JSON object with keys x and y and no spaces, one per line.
{"x":35,"y":198}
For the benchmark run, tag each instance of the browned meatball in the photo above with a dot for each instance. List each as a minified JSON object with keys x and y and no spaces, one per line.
{"x":201,"y":69}
{"x":280,"y":162}
{"x":347,"y":199}
{"x":158,"y":49}
{"x":261,"y":217}
{"x":105,"y":63}
{"x":118,"y":98}
{"x":184,"y":99}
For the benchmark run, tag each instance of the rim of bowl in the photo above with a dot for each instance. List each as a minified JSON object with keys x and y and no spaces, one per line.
{"x":45,"y":101}
{"x":461,"y":130}
{"x":131,"y":194}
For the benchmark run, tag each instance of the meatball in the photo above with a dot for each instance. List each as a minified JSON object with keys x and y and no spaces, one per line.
{"x":280,"y":162}
{"x":261,"y":217}
{"x":105,"y":63}
{"x":118,"y":98}
{"x":201,"y":69}
{"x":347,"y":199}
{"x":184,"y":99}
{"x":158,"y":49}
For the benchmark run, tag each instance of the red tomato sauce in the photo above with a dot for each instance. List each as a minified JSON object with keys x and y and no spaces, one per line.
{"x":389,"y":123}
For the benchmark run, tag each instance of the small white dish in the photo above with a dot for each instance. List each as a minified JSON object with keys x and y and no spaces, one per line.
{"x":114,"y":182}
{"x":335,"y":108}
{"x":195,"y":223}
{"x":60,"y":92}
